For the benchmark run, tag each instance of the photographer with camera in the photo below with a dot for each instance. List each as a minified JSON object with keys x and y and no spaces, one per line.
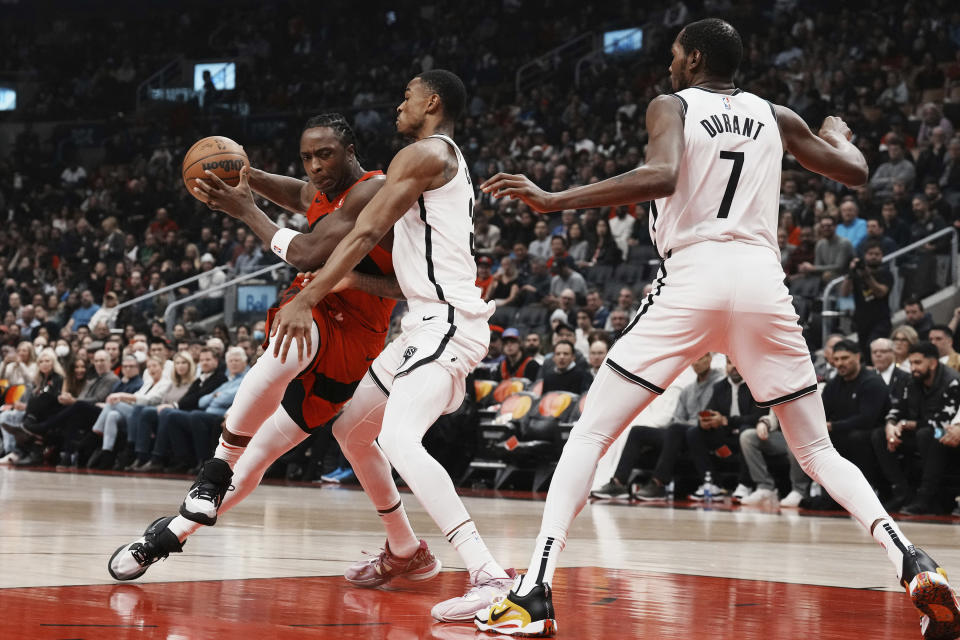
{"x":870,"y":283}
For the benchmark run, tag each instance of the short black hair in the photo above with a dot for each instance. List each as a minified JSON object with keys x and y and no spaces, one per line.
{"x":913,"y":300}
{"x":872,"y":244}
{"x":926,"y":349}
{"x":566,"y":342}
{"x":719,"y":43}
{"x":341,"y":128}
{"x":946,"y":330}
{"x":449,"y":87}
{"x":847,"y":345}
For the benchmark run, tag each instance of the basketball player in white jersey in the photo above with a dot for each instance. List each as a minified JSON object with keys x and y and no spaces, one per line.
{"x":713,"y":173}
{"x":279,"y":402}
{"x":428,"y":202}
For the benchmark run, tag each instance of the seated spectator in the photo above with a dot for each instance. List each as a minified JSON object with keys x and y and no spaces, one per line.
{"x":668,"y":443}
{"x":870,"y":282}
{"x":190,"y":436}
{"x":532,"y":346}
{"x":38,"y":405}
{"x":120,"y":405}
{"x":484,"y":276}
{"x":558,"y":249}
{"x":210,"y":277}
{"x":603,"y":249}
{"x":896,"y":379}
{"x":583,"y":329}
{"x":731,"y":408}
{"x":106,"y":314}
{"x":19,"y":365}
{"x":210,"y":376}
{"x":565,"y":374}
{"x":597,"y":309}
{"x":941,"y":336}
{"x":596,"y":355}
{"x":896,"y":229}
{"x":832,"y":254}
{"x":515,"y":363}
{"x":851,"y":226}
{"x":921,"y":321}
{"x":618,"y":321}
{"x":930,"y":402}
{"x":766,"y":439}
{"x":823,"y":366}
{"x":803,"y":253}
{"x":505,"y":287}
{"x":487,"y":368}
{"x":564,"y":277}
{"x":578,"y":245}
{"x":83,"y":314}
{"x":142,"y":422}
{"x":536,"y":288}
{"x":540,"y":246}
{"x":249,"y":260}
{"x":855,"y":402}
{"x":876,"y":232}
{"x":896,"y":168}
{"x":903,"y":337}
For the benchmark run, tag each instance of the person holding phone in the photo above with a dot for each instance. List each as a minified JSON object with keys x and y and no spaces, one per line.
{"x":930,"y":401}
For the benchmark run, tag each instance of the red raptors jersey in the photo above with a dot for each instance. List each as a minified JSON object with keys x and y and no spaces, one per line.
{"x":370,"y":311}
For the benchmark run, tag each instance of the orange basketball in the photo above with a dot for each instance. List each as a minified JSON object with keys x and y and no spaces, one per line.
{"x":218,"y":154}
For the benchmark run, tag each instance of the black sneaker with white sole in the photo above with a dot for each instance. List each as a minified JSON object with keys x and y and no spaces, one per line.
{"x":926,"y":584}
{"x":205,"y":496}
{"x":132,"y":560}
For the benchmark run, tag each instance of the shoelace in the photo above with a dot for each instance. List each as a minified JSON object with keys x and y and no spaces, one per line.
{"x":139,"y":553}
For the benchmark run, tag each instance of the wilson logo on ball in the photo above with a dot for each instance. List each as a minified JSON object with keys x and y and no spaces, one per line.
{"x":226,"y":165}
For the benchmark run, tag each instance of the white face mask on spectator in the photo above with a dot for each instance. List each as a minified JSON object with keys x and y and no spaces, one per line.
{"x":62,"y":351}
{"x":140,"y":356}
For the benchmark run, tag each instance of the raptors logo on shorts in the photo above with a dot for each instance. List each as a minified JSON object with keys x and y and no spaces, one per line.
{"x":353,"y":327}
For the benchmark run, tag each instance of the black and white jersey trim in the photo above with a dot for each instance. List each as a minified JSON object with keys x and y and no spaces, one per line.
{"x":376,"y":380}
{"x":635,"y":379}
{"x":428,"y":244}
{"x":787,"y":398}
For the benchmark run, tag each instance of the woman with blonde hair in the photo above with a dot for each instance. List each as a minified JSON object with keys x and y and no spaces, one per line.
{"x":20,"y":366}
{"x":142,"y":423}
{"x":903,"y":337}
{"x":42,"y":404}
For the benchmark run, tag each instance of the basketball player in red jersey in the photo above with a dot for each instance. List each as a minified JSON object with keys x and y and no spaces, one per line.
{"x":712,"y":173}
{"x":281,"y":402}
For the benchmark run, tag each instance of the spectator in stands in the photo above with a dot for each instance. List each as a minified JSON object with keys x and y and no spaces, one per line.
{"x":540,"y":245}
{"x":20,"y":365}
{"x":577,"y":244}
{"x":766,"y":439}
{"x":903,"y":338}
{"x":935,"y":200}
{"x":618,"y":321}
{"x":931,"y":118}
{"x":81,"y":317}
{"x":536,"y":287}
{"x":193,"y":434}
{"x":505,"y":288}
{"x":532,"y":346}
{"x":210,"y":277}
{"x":852,"y":226}
{"x":597,"y":310}
{"x":896,"y":168}
{"x":896,"y":379}
{"x":564,"y":374}
{"x":596,"y":355}
{"x":621,"y":228}
{"x":249,"y":260}
{"x":950,"y":177}
{"x":823,"y":366}
{"x":803,"y":253}
{"x":558,"y":249}
{"x":896,"y":229}
{"x":38,"y":406}
{"x":106,"y":314}
{"x":931,"y":401}
{"x":870,"y":283}
{"x":515,"y":363}
{"x":484,"y":276}
{"x":731,"y":409}
{"x":162,"y":224}
{"x":486,"y":235}
{"x":876,"y":232}
{"x":921,"y":321}
{"x":941,"y":336}
{"x":564,"y":277}
{"x":832,"y":254}
{"x":855,"y":401}
{"x":603,"y":249}
{"x":669,"y":442}
{"x":491,"y":362}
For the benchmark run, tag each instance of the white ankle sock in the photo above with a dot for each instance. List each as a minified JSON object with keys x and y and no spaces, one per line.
{"x":399,"y":534}
{"x":229,"y":453}
{"x":542,"y":564}
{"x":181,"y":527}
{"x":888,"y":535}
{"x":468,"y":543}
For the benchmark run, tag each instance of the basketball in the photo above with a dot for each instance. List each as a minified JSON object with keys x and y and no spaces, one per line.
{"x":218,"y":154}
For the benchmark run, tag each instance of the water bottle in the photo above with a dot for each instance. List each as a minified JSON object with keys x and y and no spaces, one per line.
{"x":708,"y":487}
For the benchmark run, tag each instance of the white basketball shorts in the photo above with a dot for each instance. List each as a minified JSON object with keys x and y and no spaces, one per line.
{"x":726,"y":297}
{"x":435,"y":332}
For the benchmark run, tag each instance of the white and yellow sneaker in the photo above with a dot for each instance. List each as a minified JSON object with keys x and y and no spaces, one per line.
{"x":531,"y":615}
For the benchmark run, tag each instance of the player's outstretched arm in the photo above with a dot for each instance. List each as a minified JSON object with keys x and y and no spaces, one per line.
{"x":293,"y":194}
{"x":306,"y":251}
{"x":411,"y":172}
{"x":830,"y":154}
{"x":657,"y":178}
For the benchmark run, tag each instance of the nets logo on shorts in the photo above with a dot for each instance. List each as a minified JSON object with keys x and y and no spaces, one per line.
{"x":407,"y":355}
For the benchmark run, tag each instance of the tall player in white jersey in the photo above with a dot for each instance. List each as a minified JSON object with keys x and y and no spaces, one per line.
{"x":713,"y":173}
{"x":428,"y":201}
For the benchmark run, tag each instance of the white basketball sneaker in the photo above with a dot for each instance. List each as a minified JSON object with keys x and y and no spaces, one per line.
{"x":484,"y":591}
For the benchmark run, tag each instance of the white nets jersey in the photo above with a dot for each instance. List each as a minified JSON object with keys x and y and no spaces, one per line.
{"x":729,"y":182}
{"x":433,"y":246}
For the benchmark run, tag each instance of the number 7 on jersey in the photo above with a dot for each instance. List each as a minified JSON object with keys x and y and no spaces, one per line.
{"x":737,"y":157}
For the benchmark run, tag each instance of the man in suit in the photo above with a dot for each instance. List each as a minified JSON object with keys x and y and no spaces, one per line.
{"x":731,"y":408}
{"x":896,"y":379}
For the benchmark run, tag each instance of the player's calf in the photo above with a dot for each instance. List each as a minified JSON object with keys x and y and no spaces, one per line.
{"x":133,"y":559}
{"x":205,"y":496}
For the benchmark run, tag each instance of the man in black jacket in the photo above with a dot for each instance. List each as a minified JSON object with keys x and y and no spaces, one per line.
{"x":896,"y":379}
{"x":856,"y":402}
{"x":731,"y":408}
{"x":566,"y":374}
{"x":917,"y":422}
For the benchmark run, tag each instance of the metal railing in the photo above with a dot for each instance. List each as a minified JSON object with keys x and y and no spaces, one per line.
{"x":160,"y":79}
{"x":163,"y":290}
{"x":544,"y":67}
{"x":829,"y":315}
{"x":169,"y":315}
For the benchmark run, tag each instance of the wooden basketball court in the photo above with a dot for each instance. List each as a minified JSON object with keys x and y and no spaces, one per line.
{"x":272,"y":568}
